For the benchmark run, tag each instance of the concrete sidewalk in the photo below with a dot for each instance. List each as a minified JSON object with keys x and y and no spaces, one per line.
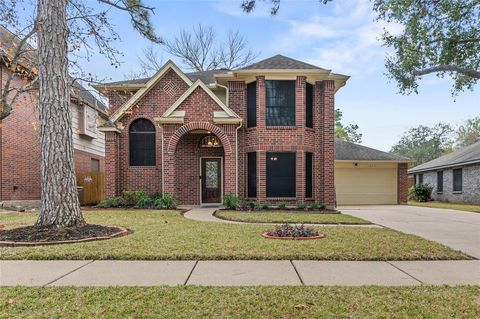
{"x":237,"y":273}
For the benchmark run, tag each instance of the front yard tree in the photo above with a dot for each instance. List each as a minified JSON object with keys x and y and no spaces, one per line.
{"x":62,"y":27}
{"x":424,"y":143}
{"x":199,"y":49}
{"x":439,"y":37}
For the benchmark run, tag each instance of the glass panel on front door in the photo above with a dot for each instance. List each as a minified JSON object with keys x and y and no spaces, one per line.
{"x":211,"y":174}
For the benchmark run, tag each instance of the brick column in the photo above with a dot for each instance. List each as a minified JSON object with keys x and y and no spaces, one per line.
{"x":261,"y":176}
{"x":112,"y":167}
{"x":318,"y":147}
{"x":329,"y":142}
{"x":402,"y":183}
{"x":261,"y":103}
{"x":300,"y":95}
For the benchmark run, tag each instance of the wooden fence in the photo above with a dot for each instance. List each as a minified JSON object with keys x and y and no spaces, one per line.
{"x":93,"y":184}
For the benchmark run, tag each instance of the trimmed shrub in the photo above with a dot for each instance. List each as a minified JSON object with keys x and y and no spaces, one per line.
{"x":231,"y":201}
{"x":420,"y":192}
{"x":265,"y":205}
{"x":132,"y":197}
{"x":282,"y":205}
{"x":166,"y":202}
{"x":316,"y":206}
{"x":146,"y":202}
{"x":301,"y":206}
{"x":112,"y":202}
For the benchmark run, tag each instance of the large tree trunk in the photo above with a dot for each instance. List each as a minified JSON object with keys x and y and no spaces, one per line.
{"x":60,"y":205}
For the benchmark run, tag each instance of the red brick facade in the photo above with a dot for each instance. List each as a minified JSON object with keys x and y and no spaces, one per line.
{"x":177,"y":145}
{"x":20,"y":149}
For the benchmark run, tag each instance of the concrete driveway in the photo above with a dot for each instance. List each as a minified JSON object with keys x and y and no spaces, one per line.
{"x":456,"y":229}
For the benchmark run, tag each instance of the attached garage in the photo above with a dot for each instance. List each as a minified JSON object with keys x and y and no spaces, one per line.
{"x":365,"y":176}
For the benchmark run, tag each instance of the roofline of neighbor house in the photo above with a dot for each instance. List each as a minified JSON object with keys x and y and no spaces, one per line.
{"x":375,"y":161}
{"x":439,"y":167}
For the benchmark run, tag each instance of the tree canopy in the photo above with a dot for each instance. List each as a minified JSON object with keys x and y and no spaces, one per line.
{"x":439,"y":37}
{"x":424,"y":143}
{"x":468,"y":132}
{"x":349,"y":132}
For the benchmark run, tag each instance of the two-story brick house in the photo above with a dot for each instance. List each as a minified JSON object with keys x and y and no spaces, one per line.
{"x":263,"y":132}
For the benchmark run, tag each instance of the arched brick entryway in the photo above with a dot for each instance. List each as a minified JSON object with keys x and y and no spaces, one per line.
{"x":182,"y":160}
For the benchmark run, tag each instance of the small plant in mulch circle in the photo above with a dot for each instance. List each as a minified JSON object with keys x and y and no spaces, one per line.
{"x":292,"y":231}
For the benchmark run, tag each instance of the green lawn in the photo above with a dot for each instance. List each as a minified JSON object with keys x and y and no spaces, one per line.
{"x":241,"y":302}
{"x":457,"y":206}
{"x":164,"y":235}
{"x":289,"y":217}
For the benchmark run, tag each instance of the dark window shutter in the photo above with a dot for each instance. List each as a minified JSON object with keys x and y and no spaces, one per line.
{"x":142,"y":143}
{"x":252,"y":174}
{"x":252,"y":104}
{"x":280,"y":103}
{"x":281,"y":173}
{"x":308,"y":175}
{"x":309,"y":105}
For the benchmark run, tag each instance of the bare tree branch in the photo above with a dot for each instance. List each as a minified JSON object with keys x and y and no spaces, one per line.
{"x":200,"y":51}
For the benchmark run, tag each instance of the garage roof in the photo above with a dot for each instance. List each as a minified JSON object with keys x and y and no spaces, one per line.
{"x":463,"y":156}
{"x":346,"y":151}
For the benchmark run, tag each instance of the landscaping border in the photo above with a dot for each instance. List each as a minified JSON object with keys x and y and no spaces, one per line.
{"x":280,"y":222}
{"x":123,"y":232}
{"x":266,"y":235}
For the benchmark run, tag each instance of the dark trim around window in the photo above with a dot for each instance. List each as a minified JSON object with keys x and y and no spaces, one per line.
{"x":457,"y":180}
{"x":281,"y":174}
{"x":252,"y":104}
{"x":309,"y":105}
{"x":308,"y":175}
{"x":440,"y":182}
{"x":142,"y":143}
{"x":252,"y":175}
{"x":280,"y":102}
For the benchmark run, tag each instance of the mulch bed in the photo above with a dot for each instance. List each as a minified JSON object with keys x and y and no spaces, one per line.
{"x":31,"y":235}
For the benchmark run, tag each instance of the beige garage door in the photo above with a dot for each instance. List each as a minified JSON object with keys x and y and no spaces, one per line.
{"x":366,"y":184}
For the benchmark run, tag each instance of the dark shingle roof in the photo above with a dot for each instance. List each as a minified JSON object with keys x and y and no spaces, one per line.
{"x":207,"y":77}
{"x":350,"y":151}
{"x":466,"y":155}
{"x":281,"y":62}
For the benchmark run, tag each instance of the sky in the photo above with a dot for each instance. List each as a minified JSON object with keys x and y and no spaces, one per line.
{"x":341,"y":36}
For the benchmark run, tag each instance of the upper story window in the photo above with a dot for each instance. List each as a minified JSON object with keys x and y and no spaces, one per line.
{"x":280,"y":103}
{"x":458,"y":180}
{"x":309,"y":105}
{"x":252,"y":104}
{"x":142,"y":143}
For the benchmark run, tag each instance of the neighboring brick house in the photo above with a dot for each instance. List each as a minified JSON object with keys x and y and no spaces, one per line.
{"x":455,"y":177}
{"x":263,"y":132}
{"x":19,"y":134}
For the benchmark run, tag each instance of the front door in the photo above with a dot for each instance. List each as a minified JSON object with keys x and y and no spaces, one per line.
{"x":211,"y":176}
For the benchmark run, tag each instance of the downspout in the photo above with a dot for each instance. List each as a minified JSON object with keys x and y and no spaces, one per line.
{"x":163,"y":170}
{"x":236,"y":138}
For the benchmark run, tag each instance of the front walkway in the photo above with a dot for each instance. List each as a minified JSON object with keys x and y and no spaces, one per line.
{"x":237,"y":273}
{"x":456,"y":229}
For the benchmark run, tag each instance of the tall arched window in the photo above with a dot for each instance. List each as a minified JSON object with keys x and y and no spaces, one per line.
{"x":142,"y":143}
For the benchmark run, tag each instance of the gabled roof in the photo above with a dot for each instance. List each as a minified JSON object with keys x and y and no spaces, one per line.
{"x":346,"y":151}
{"x":463,"y":156}
{"x":170,"y":112}
{"x":148,"y":86}
{"x":280,"y":62}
